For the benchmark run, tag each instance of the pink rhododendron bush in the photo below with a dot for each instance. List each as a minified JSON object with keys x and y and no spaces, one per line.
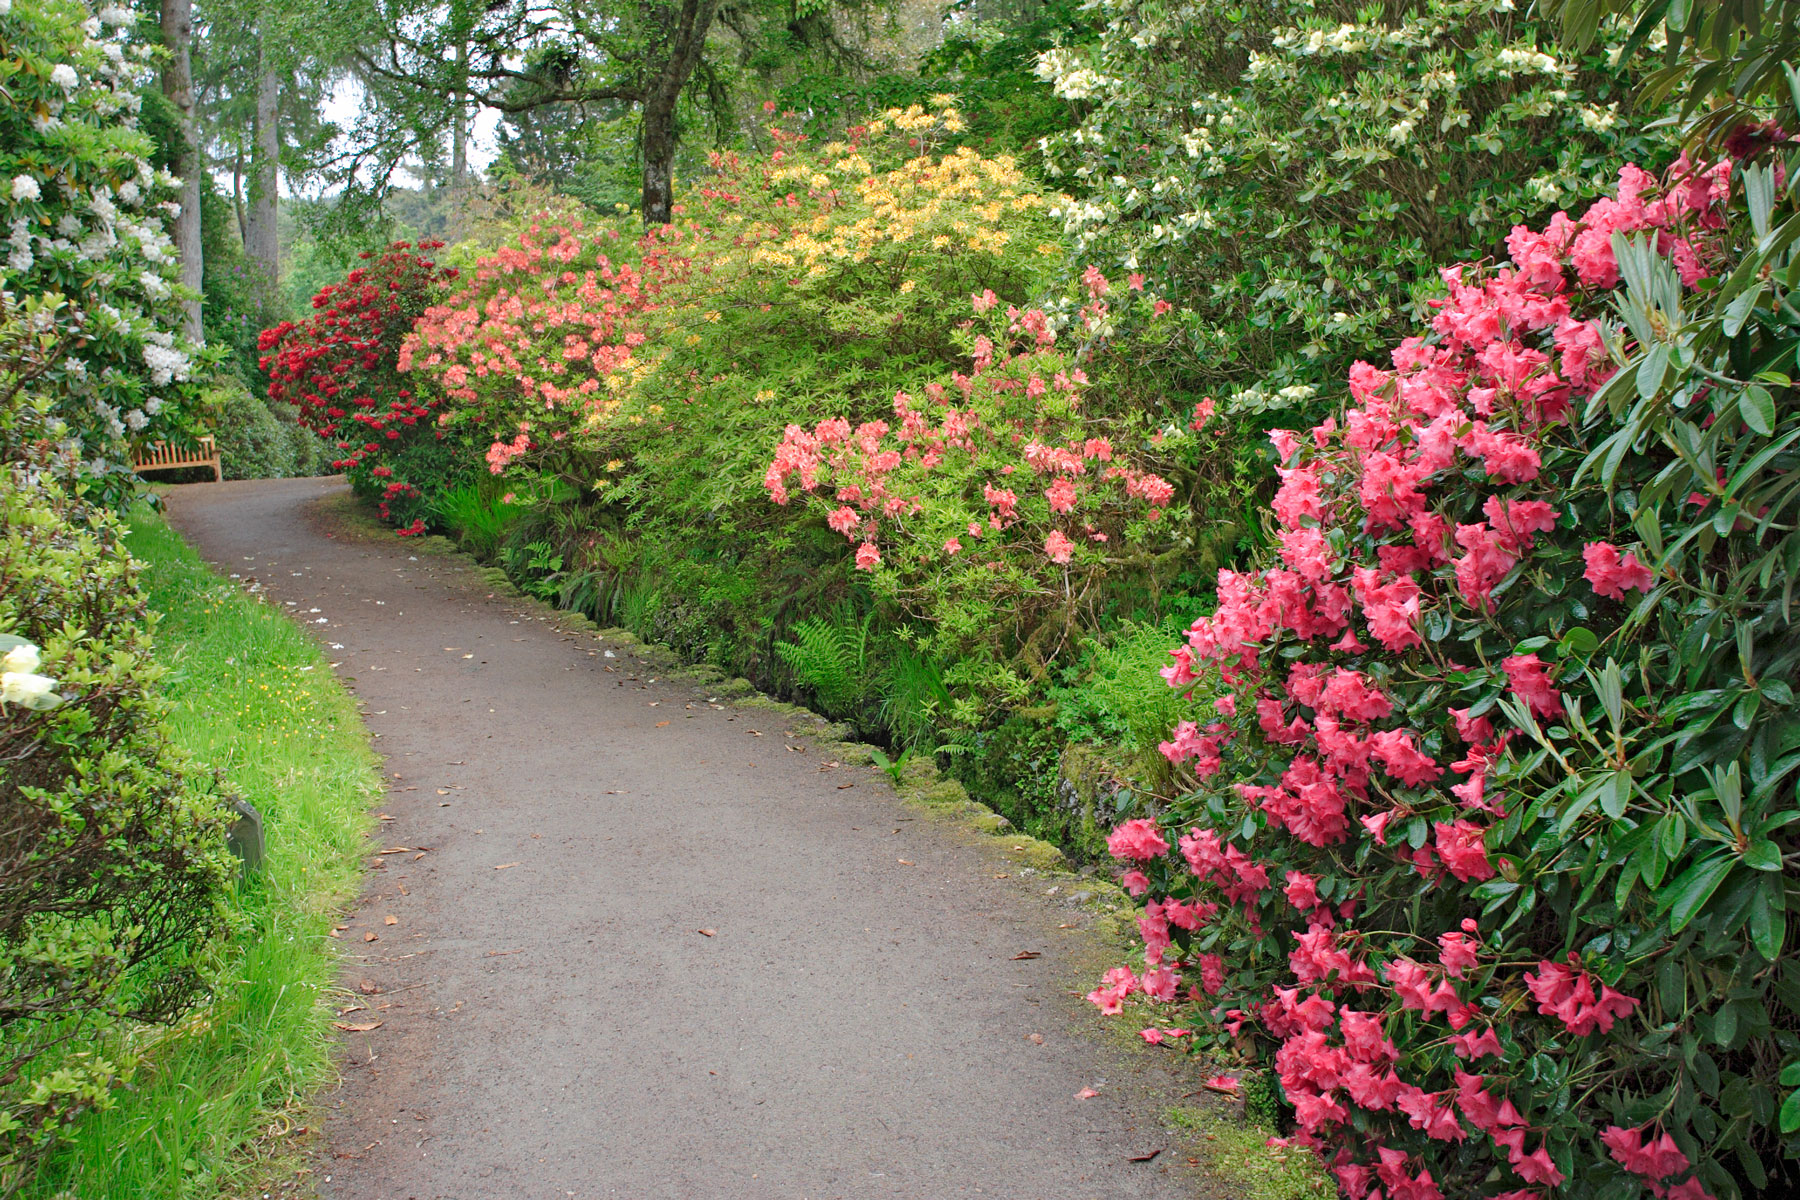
{"x":1486,"y":857}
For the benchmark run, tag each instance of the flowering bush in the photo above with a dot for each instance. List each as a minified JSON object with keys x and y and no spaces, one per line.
{"x":85,"y":220}
{"x":1494,"y":785}
{"x":801,"y":269}
{"x":1290,"y":173}
{"x":1000,"y":508}
{"x":341,"y":369}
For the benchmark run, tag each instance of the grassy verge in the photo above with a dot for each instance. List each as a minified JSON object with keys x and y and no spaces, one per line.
{"x":257,"y":700}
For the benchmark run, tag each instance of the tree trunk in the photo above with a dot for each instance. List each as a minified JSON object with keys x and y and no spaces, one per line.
{"x":459,"y":118}
{"x":237,"y":194}
{"x":678,"y":41}
{"x":261,"y":241}
{"x":178,"y":86}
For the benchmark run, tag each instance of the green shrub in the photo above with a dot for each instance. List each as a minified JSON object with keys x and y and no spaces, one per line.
{"x":1292,"y":173}
{"x":114,"y":852}
{"x":253,"y":443}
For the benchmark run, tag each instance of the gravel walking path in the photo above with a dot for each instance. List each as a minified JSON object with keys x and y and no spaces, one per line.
{"x":637,"y":946}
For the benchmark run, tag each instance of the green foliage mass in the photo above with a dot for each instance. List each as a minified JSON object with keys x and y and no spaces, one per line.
{"x":1293,"y":174}
{"x":116,"y":873}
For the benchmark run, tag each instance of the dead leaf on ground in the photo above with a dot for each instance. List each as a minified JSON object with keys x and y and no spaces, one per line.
{"x":1022,"y":955}
{"x":356,"y":1026}
{"x":660,"y":724}
{"x":395,"y":850}
{"x":1086,"y":1094}
{"x":1144,"y":1157}
{"x":369,"y":987}
{"x":390,"y":920}
{"x":707,"y":932}
{"x":1036,"y":1039}
{"x":906,"y":862}
{"x":384,"y":817}
{"x":503,"y":866}
{"x":371,"y":936}
{"x":842,"y":786}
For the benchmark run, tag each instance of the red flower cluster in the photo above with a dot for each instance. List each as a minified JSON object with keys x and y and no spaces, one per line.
{"x":339,"y":365}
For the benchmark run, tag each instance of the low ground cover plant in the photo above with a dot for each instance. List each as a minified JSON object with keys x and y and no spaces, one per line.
{"x":1492,"y":767}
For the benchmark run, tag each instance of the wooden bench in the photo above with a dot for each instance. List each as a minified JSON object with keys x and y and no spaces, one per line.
{"x":164,"y":457}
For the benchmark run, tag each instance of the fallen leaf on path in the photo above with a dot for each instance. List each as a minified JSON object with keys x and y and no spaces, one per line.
{"x":1144,"y":1157}
{"x":1086,"y":1094}
{"x":905,"y":862}
{"x":1036,"y":1039}
{"x":383,"y":817}
{"x":1004,"y":875}
{"x":842,"y":786}
{"x":395,"y":850}
{"x":391,"y":920}
{"x":1022,"y":955}
{"x":346,"y":1011}
{"x":503,"y":953}
{"x":356,"y":1027}
{"x":369,"y":987}
{"x":371,"y":936}
{"x":503,"y":866}
{"x":443,"y":791}
{"x":660,"y":724}
{"x":418,"y":856}
{"x":755,"y":733}
{"x":707,"y":932}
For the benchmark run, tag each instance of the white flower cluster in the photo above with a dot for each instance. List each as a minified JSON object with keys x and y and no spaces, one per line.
{"x":1069,"y":76}
{"x":97,"y":233}
{"x":21,"y":684}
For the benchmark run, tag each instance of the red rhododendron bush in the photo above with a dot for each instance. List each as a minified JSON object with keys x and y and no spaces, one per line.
{"x":339,"y":368}
{"x":1488,"y":851}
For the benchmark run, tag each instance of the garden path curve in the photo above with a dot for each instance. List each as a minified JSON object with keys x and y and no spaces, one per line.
{"x":553,"y":1023}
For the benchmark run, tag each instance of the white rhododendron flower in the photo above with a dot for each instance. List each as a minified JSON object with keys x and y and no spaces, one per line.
{"x":37,"y":692}
{"x":21,"y":660}
{"x":24,"y":187}
{"x":64,"y":76}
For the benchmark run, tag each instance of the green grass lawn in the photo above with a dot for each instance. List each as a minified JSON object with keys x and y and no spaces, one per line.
{"x":256,"y":699}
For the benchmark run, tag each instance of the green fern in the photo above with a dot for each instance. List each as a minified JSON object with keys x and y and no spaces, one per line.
{"x":831,"y":660}
{"x":914,"y":701}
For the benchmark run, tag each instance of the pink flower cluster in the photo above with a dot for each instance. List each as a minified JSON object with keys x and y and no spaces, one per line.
{"x":1409,"y":514}
{"x":878,"y":473}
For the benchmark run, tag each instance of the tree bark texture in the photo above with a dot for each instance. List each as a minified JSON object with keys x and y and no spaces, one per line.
{"x":178,"y":86}
{"x":677,"y":39}
{"x":261,"y":241}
